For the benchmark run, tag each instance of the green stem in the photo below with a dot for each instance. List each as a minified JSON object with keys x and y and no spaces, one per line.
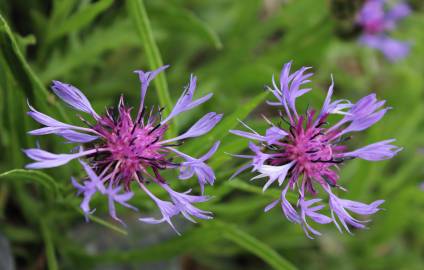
{"x":140,"y":18}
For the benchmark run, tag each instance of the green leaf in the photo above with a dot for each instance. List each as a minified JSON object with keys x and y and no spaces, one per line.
{"x":21,"y":70}
{"x":90,"y":50}
{"x":105,"y":223}
{"x":78,"y":20}
{"x":188,"y":20}
{"x":49,"y":245}
{"x":33,"y":176}
{"x":250,"y":243}
{"x":138,"y":13}
{"x":20,"y":234}
{"x":191,"y":240}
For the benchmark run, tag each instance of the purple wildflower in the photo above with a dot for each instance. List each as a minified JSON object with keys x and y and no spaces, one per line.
{"x":307,"y":155}
{"x":119,"y":150}
{"x":376,"y":20}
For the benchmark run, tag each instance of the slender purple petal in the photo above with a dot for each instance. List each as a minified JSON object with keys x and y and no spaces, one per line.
{"x":167,"y":209}
{"x":114,"y":197}
{"x":335,"y":107}
{"x":184,"y":203}
{"x":49,"y":160}
{"x":290,"y":87}
{"x":77,"y":137}
{"x":288,"y":210}
{"x":145,"y":78}
{"x":248,"y":135}
{"x":259,"y":158}
{"x":339,"y":208}
{"x":201,"y":127}
{"x":377,"y":151}
{"x":73,"y":97}
{"x":88,"y":190}
{"x":274,"y":134}
{"x":191,"y":166}
{"x":185,"y":102}
{"x":45,"y":119}
{"x":309,"y":211}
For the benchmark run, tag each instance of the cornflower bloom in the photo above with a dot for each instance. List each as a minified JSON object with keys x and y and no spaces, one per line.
{"x":116,"y":150}
{"x":307,"y":154}
{"x":377,"y":20}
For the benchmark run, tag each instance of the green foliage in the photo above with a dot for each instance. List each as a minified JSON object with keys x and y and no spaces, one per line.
{"x":234,"y":47}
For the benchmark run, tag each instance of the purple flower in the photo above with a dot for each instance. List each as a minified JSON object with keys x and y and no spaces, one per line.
{"x":377,"y":19}
{"x":306,"y":155}
{"x":120,"y":150}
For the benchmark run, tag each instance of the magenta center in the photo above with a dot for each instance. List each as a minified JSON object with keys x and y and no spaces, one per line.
{"x":133,"y":146}
{"x":308,"y":146}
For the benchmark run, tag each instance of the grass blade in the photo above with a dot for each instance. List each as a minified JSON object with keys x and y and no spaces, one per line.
{"x":21,"y":70}
{"x":188,"y":20}
{"x":33,"y":176}
{"x":78,"y":20}
{"x":105,"y":223}
{"x":138,"y":13}
{"x":250,"y":243}
{"x":49,"y":246}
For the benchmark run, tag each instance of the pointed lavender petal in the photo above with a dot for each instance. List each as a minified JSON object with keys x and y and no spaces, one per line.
{"x":73,"y":97}
{"x":201,"y":127}
{"x":185,"y":102}
{"x":145,"y":78}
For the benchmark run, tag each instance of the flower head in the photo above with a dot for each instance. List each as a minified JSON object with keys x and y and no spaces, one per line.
{"x":116,"y":150}
{"x":377,"y":19}
{"x":306,"y":155}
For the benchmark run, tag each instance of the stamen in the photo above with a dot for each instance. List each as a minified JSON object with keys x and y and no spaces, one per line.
{"x":320,"y":124}
{"x":174,"y":144}
{"x":153,"y":129}
{"x":291,"y":131}
{"x":153,"y":142}
{"x":316,"y":135}
{"x":342,"y":139}
{"x":284,"y":119}
{"x":85,"y":121}
{"x":328,"y":181}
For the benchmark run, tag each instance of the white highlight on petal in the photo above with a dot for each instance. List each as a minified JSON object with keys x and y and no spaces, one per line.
{"x":274,"y":173}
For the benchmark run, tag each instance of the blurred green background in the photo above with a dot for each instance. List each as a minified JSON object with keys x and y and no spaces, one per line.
{"x":233,"y":47}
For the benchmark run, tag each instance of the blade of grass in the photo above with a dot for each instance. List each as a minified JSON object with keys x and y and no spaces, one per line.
{"x":33,"y":176}
{"x":103,"y":222}
{"x":90,"y":50}
{"x":78,"y":20}
{"x":49,"y":246}
{"x":189,"y":21}
{"x":141,"y":21}
{"x":22,"y":72}
{"x":250,"y":243}
{"x":191,"y":241}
